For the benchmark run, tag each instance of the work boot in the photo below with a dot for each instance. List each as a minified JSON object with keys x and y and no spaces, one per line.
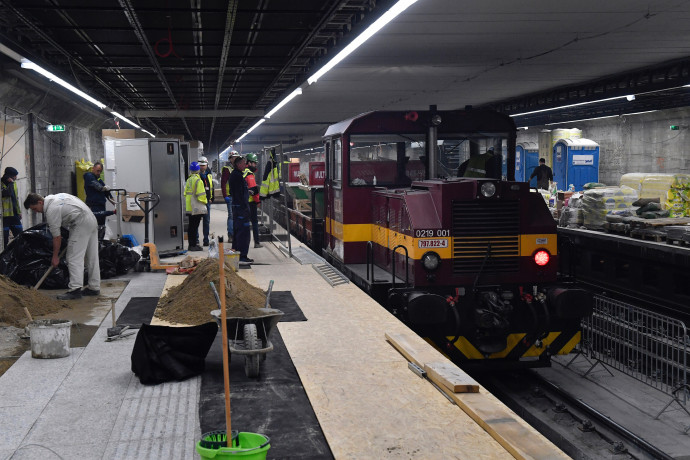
{"x":89,"y":291}
{"x":258,"y":245}
{"x":70,"y":295}
{"x":195,"y":247}
{"x":205,"y":243}
{"x":246,"y":260}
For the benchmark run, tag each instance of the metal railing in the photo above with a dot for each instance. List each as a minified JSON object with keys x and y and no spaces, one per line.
{"x":275,"y":218}
{"x":644,"y":345}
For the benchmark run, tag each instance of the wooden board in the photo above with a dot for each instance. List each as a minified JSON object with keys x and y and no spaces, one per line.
{"x":641,"y":222}
{"x":500,"y":422}
{"x":502,"y":425}
{"x":411,"y":351}
{"x":452,"y":377}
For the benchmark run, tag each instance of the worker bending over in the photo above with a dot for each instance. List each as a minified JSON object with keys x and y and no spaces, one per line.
{"x":64,"y":210}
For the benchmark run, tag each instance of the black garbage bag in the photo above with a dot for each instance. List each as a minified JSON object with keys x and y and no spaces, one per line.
{"x":163,"y":353}
{"x":28,"y":257}
{"x":115,"y":259}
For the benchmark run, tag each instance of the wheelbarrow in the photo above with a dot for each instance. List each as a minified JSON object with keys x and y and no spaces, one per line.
{"x":250,"y":336}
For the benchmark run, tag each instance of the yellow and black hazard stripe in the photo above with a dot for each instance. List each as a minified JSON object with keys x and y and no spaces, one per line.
{"x":518,"y":346}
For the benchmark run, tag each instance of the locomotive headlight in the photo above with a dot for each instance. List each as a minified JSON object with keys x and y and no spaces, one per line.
{"x":488,"y":189}
{"x":431,"y":261}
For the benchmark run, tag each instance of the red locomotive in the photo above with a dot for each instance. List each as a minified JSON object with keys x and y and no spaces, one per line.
{"x":468,"y":263}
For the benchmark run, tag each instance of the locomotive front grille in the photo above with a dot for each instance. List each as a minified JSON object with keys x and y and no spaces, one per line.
{"x":478,"y":226}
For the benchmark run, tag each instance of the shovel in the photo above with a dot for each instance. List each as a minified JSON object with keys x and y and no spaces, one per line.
{"x":43,"y":278}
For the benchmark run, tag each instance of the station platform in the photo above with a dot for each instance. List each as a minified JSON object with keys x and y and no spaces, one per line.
{"x":366,"y":400}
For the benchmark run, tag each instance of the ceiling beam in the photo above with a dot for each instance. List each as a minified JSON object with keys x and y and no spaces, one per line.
{"x":195,"y":113}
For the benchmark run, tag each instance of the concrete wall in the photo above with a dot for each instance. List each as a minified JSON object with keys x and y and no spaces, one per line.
{"x":54,"y":153}
{"x":634,"y":143}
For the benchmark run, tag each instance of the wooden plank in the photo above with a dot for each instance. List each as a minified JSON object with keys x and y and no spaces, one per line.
{"x":500,"y":422}
{"x":452,"y":377}
{"x":410,"y":351}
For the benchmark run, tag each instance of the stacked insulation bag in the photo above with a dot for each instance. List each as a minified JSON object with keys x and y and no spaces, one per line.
{"x":599,"y":202}
{"x":633,"y":180}
{"x":659,"y":185}
{"x":678,"y":196}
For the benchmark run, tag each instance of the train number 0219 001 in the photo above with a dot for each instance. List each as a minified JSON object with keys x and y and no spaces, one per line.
{"x":432,"y":233}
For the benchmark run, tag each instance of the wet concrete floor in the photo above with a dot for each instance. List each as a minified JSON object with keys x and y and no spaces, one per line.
{"x":86,"y":315}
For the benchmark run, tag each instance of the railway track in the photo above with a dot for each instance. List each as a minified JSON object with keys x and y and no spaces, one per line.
{"x":577,"y":427}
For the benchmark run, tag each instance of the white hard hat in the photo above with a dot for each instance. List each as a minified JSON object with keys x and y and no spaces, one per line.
{"x":203,"y":161}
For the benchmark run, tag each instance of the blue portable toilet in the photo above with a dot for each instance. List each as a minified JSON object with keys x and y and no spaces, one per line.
{"x":575,"y":161}
{"x":526,"y":159}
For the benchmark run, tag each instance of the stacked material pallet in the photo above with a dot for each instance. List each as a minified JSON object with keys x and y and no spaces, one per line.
{"x":599,"y":202}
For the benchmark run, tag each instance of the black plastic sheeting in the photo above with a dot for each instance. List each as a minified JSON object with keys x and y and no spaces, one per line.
{"x":28,"y":256}
{"x":274,"y":404}
{"x":164,"y":353}
{"x":138,"y":311}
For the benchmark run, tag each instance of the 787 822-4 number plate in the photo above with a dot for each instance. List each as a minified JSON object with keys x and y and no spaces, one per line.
{"x":433,"y":243}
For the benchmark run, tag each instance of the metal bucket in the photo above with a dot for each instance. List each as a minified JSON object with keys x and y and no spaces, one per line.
{"x":50,"y":338}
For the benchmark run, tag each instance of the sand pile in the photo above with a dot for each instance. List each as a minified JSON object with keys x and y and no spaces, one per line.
{"x":192,"y":301}
{"x":13,"y":299}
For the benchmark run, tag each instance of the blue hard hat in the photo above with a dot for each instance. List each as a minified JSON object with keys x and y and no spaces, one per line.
{"x":194,"y":166}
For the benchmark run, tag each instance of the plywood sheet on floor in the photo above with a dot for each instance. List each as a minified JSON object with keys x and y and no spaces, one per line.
{"x":369,"y":404}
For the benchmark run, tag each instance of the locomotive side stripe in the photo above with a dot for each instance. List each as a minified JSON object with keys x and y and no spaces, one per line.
{"x":352,"y":233}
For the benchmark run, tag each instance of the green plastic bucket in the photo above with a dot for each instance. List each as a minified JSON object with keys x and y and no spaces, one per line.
{"x":249,"y":446}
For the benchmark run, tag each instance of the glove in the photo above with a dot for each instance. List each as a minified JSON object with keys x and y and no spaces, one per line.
{"x":227,"y":199}
{"x":105,"y":188}
{"x":252,"y":193}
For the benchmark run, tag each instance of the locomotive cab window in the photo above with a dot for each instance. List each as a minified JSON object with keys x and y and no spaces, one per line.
{"x":386,"y":160}
{"x":454,"y":150}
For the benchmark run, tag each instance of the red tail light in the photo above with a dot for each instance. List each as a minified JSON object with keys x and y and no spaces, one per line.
{"x":542,"y":257}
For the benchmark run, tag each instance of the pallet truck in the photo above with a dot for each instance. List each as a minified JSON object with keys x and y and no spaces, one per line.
{"x":149,"y":254}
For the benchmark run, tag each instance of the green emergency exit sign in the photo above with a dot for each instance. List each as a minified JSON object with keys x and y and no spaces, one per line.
{"x":675,"y":127}
{"x":55,"y":128}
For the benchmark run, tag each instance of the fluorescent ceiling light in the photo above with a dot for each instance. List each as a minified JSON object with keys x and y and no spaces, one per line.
{"x":388,"y":16}
{"x":571,"y":105}
{"x":638,"y":113}
{"x":630,"y":97}
{"x":255,"y":125}
{"x":241,"y":137}
{"x":126,"y":120}
{"x":292,"y":95}
{"x":583,"y":119}
{"x":26,"y":64}
{"x":148,"y":133}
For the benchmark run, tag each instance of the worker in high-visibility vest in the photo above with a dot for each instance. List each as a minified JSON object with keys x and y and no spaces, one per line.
{"x":195,"y":205}
{"x":483,"y":165}
{"x":207,"y":177}
{"x":270,"y":185}
{"x":225,"y":188}
{"x":254,"y":199}
{"x":11,"y":211}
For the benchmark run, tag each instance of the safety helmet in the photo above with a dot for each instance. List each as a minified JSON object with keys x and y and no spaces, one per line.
{"x":194,"y":166}
{"x":252,"y":157}
{"x":203,"y":161}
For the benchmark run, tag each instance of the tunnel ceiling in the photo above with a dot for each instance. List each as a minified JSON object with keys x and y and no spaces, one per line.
{"x":209,"y":69}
